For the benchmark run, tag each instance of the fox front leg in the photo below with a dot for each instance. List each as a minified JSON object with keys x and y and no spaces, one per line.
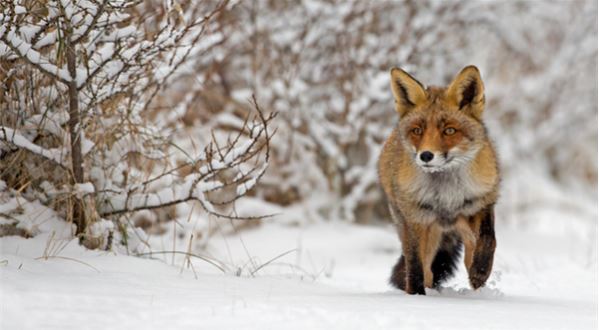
{"x":407,"y":274}
{"x":483,"y":224}
{"x":428,"y":241}
{"x":413,"y":260}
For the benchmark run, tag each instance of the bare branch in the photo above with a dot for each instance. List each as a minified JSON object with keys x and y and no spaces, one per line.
{"x":25,"y":51}
{"x":12,"y":136}
{"x":195,"y":186}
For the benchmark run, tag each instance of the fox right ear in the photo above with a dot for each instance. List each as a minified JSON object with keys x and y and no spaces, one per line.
{"x":407,"y":91}
{"x":467,"y":91}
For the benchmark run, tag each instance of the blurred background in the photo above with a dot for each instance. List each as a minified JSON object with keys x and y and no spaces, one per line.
{"x":323,"y":66}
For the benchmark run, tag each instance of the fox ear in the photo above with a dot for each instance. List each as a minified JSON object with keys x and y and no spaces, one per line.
{"x":467,"y":91}
{"x":407,"y":91}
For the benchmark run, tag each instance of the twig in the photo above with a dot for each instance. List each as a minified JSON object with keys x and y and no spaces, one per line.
{"x":71,"y":259}
{"x":271,"y":260}
{"x":206,"y":259}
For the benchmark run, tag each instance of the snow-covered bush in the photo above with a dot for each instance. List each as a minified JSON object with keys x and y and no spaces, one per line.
{"x":80,"y":80}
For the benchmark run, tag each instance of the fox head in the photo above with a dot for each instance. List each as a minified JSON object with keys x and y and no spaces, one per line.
{"x":440,"y":127}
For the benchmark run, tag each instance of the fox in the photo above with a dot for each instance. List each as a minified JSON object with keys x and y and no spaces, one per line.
{"x":439,"y":173}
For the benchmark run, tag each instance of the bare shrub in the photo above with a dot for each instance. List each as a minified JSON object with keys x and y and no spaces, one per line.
{"x":79,"y":82}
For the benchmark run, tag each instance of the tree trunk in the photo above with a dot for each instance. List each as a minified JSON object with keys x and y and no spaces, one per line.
{"x":74,"y":130}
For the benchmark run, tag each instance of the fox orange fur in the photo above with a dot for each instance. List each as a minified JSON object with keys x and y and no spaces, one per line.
{"x":439,"y":172}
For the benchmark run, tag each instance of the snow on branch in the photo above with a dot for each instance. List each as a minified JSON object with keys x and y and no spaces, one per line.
{"x":213,"y":165}
{"x":25,"y":50}
{"x":15,"y":138}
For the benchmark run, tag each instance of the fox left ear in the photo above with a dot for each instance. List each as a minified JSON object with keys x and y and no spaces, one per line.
{"x":467,"y":91}
{"x":407,"y":91}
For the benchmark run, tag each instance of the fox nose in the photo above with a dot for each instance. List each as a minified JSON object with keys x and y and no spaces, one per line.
{"x":426,"y":156}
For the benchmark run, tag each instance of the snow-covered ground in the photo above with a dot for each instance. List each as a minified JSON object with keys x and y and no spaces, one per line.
{"x":331,"y":275}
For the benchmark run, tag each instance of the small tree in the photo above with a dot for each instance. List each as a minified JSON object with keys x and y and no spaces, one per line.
{"x":94,"y":68}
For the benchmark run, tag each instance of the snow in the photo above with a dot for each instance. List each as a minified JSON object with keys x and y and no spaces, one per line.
{"x":86,"y":145}
{"x":8,"y":206}
{"x":84,"y":188}
{"x":235,"y":153}
{"x":101,"y":227}
{"x":50,"y":122}
{"x":34,"y":218}
{"x":244,"y":187}
{"x":331,"y":275}
{"x":20,"y":10}
{"x":24,"y":49}
{"x":14,"y":137}
{"x":192,"y":187}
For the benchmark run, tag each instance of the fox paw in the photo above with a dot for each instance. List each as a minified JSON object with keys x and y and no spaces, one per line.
{"x":416,"y":289}
{"x":478,"y":280}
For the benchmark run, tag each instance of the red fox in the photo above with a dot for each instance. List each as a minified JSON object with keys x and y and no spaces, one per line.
{"x":439,"y":172}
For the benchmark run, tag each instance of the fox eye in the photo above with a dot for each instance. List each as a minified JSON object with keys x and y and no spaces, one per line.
{"x":449,"y":131}
{"x":417,"y":131}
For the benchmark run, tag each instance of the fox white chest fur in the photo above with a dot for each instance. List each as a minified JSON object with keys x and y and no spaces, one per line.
{"x":443,"y":196}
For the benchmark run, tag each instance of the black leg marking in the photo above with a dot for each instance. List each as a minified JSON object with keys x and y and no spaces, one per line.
{"x":445,"y":262}
{"x":482,"y":261}
{"x":398,"y":275}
